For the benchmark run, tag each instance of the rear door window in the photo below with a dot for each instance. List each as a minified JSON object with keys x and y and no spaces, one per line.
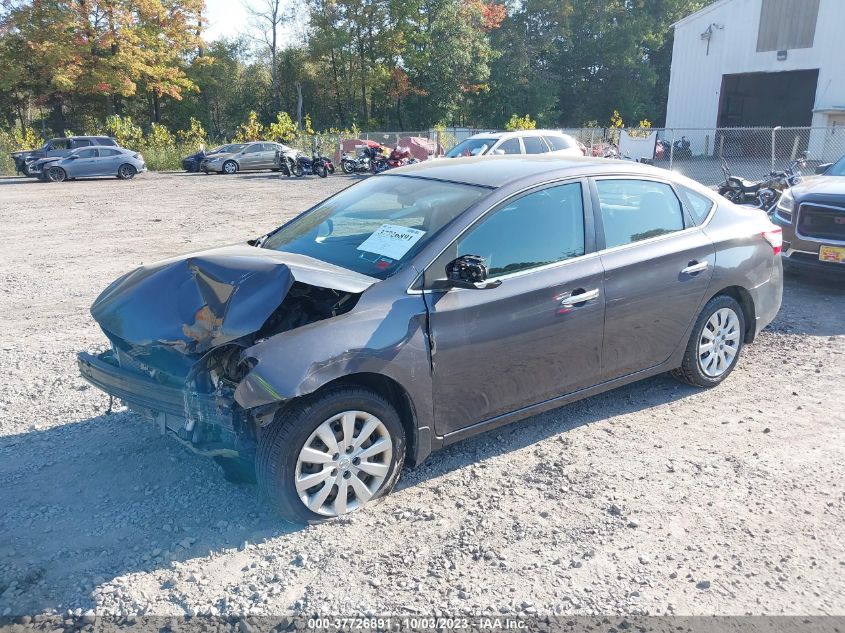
{"x":534,"y":145}
{"x":510,"y":146}
{"x":636,"y":210}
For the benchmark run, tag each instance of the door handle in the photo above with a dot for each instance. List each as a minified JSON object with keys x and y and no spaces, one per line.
{"x":694,"y":267}
{"x":581,"y":297}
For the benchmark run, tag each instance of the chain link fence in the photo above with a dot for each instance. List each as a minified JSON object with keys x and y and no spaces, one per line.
{"x":694,"y":152}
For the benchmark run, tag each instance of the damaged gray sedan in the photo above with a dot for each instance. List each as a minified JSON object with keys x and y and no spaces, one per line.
{"x":428,"y":304}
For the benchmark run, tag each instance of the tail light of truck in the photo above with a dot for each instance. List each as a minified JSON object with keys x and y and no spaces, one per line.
{"x":774,"y":236}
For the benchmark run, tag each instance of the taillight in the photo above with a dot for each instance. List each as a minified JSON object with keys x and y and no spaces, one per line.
{"x":774,"y":236}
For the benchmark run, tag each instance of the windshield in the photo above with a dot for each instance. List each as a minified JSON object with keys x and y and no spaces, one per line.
{"x":471,"y":147}
{"x":376,"y":226}
{"x":837,"y":169}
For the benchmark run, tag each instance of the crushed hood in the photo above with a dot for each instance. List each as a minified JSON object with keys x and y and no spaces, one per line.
{"x":191,"y":304}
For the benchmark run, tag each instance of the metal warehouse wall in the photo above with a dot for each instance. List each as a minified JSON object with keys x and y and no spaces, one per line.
{"x":696,"y":79}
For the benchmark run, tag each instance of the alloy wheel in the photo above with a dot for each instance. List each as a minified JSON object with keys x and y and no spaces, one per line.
{"x":719,"y":342}
{"x":343,"y":463}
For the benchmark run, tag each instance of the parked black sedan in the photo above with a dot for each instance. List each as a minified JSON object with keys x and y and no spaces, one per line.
{"x":812,"y":216}
{"x":429,"y":304}
{"x":192,"y":163}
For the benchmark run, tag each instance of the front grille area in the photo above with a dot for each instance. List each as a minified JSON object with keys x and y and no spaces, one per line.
{"x":826,"y":222}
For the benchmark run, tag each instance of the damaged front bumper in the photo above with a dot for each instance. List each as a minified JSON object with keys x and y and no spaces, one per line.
{"x":173,"y":409}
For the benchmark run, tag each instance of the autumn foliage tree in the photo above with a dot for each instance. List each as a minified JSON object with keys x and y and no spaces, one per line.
{"x":62,"y":53}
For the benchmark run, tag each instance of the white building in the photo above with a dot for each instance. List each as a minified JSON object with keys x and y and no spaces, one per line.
{"x":749,"y":63}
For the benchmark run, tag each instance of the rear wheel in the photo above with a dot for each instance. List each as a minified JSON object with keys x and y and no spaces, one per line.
{"x":715,"y":344}
{"x":126,"y":172}
{"x":320,"y":170}
{"x":230,"y":167}
{"x":331,"y":454}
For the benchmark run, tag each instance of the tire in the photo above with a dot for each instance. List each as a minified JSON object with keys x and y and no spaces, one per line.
{"x":347,"y":166}
{"x":237,"y":470}
{"x":25,"y":170}
{"x":230,"y":167}
{"x":321,"y":170}
{"x":279,"y":464}
{"x":56,"y":174}
{"x":331,"y":168}
{"x":723,"y":322}
{"x":297,"y":169}
{"x":126,"y":172}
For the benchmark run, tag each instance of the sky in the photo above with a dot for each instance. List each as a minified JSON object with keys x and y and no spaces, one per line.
{"x":226,"y":18}
{"x":229,"y":18}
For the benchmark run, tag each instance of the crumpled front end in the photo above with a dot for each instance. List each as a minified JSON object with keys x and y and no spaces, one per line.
{"x":178,"y":330}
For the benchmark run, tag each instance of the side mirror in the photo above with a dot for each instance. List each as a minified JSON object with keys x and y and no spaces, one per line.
{"x":820,"y":169}
{"x":468,"y":271}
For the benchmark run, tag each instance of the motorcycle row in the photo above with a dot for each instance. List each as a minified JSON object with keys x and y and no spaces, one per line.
{"x":764,"y":193}
{"x":371,"y":158}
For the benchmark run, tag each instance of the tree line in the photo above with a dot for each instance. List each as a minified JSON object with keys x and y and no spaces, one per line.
{"x":69,"y":65}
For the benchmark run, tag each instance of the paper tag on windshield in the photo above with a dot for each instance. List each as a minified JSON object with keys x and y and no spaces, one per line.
{"x":391,"y":240}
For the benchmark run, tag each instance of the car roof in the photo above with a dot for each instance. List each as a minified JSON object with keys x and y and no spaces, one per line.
{"x":501,"y":135}
{"x":498,"y":171}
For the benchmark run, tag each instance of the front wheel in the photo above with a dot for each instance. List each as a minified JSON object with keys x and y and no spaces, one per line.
{"x":298,"y":170}
{"x":347,"y":166}
{"x":715,"y":344}
{"x":330,"y":454}
{"x":56,"y":174}
{"x":230,"y":167}
{"x":126,"y":172}
{"x":320,"y":170}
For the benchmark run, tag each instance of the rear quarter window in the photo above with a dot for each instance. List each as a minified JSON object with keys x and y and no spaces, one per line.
{"x":104,"y":140}
{"x":697,"y":205}
{"x":558,"y":143}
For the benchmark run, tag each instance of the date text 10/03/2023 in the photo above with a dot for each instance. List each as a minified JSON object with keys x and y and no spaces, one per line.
{"x":417,"y":623}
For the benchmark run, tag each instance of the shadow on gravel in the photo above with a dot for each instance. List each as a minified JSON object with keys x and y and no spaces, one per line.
{"x":625,"y":400}
{"x":813,"y":304}
{"x":85,"y":502}
{"x":88,"y":501}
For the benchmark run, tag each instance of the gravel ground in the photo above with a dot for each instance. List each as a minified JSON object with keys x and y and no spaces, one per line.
{"x":655,"y":498}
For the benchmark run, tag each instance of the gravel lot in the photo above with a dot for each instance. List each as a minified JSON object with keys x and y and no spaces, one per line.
{"x":655,"y":498}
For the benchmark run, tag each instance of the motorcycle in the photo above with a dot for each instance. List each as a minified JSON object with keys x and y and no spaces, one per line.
{"x":369,"y":158}
{"x":682,"y":148}
{"x":399,"y":157}
{"x":765,"y":193}
{"x":288,"y":163}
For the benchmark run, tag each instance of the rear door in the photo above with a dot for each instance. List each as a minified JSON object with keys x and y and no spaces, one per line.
{"x":657,"y":264}
{"x":534,"y":145}
{"x":268,"y":156}
{"x":528,"y":340}
{"x":109,"y":161}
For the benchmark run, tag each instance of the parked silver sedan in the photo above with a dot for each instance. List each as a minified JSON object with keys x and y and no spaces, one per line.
{"x":90,"y":162}
{"x":251,"y":157}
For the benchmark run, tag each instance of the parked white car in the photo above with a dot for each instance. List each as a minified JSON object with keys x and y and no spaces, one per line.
{"x":519,"y":142}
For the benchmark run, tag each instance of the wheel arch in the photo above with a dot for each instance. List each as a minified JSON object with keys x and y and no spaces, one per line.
{"x":746,"y":302}
{"x":394,"y":393}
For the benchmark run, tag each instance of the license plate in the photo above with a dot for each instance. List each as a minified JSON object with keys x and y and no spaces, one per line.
{"x":834,"y":254}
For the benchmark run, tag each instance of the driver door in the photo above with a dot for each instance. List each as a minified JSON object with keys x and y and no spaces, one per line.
{"x":530,"y":339}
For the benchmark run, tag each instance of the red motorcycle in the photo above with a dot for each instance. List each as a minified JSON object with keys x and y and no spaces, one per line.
{"x":400,"y":156}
